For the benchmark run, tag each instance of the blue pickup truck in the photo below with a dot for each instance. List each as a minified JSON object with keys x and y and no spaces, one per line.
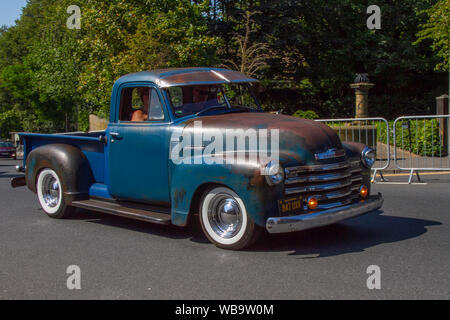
{"x":163,"y":159}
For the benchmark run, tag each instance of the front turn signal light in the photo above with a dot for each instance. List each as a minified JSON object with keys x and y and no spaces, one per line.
{"x":363,"y":192}
{"x":312,"y":203}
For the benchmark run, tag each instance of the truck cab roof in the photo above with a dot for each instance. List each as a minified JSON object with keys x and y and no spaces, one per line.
{"x":165,"y":78}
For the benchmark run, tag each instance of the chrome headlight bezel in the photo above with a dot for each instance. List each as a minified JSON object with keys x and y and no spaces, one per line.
{"x":274,"y":173}
{"x":368,"y":157}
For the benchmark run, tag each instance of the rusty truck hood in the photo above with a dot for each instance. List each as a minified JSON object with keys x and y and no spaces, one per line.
{"x":299,"y":139}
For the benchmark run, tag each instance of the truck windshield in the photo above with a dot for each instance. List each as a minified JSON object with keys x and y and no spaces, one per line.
{"x":199,"y":99}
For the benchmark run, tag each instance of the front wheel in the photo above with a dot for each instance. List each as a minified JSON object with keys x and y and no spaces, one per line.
{"x":50,"y":195}
{"x":225,"y":220}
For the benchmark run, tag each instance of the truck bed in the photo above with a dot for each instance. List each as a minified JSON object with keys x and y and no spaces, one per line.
{"x":90,"y":143}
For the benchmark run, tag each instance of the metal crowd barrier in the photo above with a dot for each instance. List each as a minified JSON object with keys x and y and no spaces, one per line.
{"x":371,"y":131}
{"x":421,"y":143}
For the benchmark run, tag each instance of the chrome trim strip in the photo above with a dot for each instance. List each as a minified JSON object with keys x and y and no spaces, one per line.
{"x":323,"y":187}
{"x":355,"y":196}
{"x":323,"y":218}
{"x":319,"y":167}
{"x":319,"y":178}
{"x":355,"y":164}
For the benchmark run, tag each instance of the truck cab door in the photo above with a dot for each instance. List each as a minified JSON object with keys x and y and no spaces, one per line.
{"x":138,"y":147}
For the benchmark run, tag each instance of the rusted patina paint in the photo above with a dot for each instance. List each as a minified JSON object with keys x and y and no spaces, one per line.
{"x":299,"y":138}
{"x":178,"y":196}
{"x":353,"y":148}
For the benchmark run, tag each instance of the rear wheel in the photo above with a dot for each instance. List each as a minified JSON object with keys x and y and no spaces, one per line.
{"x":50,"y":195}
{"x":225,"y":221}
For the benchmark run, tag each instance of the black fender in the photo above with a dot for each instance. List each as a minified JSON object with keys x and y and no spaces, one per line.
{"x":69,"y":163}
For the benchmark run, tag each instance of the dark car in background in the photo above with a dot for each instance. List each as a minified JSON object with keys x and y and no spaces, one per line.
{"x":7,"y":149}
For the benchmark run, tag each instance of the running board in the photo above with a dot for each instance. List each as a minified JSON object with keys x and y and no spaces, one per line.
{"x":127,"y":210}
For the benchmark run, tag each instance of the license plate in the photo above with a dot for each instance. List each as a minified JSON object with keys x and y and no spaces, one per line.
{"x":291,"y":205}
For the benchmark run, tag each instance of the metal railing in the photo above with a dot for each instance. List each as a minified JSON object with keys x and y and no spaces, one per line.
{"x":421,"y":144}
{"x":373,"y":132}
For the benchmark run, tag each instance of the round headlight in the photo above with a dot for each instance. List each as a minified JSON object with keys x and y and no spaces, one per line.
{"x":368,"y":157}
{"x":274,"y":173}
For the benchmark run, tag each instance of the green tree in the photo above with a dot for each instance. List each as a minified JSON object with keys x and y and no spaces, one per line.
{"x":437,"y":29}
{"x":57,"y":76}
{"x":317,"y":47}
{"x":28,"y":69}
{"x":55,"y":67}
{"x":305,"y":52}
{"x":130,"y":36}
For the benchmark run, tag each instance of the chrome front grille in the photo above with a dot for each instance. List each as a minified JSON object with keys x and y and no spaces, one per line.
{"x":331,"y":184}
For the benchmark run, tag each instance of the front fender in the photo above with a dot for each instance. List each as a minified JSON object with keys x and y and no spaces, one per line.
{"x":245,"y":180}
{"x":353,"y":151}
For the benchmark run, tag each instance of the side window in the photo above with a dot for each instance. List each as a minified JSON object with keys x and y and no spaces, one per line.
{"x":140,"y":104}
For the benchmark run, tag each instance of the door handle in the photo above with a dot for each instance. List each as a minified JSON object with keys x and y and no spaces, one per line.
{"x":115,"y":135}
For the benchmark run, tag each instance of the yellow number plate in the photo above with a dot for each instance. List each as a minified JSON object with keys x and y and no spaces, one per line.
{"x":291,"y":205}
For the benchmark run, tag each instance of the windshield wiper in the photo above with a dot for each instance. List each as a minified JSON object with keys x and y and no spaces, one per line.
{"x":238,"y":110}
{"x":209,"y":108}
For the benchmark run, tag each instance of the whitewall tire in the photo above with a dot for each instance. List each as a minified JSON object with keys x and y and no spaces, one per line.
{"x":225,"y":221}
{"x":50,"y":194}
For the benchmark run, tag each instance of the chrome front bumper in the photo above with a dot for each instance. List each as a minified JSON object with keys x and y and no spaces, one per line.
{"x":323,"y":218}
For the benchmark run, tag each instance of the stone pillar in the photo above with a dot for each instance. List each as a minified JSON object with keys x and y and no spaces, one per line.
{"x":442,"y":105}
{"x":362,"y":98}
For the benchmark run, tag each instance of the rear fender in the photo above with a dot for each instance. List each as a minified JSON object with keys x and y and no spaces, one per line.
{"x":68,"y":162}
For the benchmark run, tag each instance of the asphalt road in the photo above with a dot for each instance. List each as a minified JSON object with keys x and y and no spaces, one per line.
{"x":409,"y":239}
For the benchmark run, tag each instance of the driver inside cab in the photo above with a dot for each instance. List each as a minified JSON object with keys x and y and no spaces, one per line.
{"x":203,"y":97}
{"x":141,"y":114}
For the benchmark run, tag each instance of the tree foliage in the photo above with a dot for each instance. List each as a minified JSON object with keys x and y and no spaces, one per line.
{"x":129,"y":36}
{"x":305,"y":53}
{"x":437,"y":29}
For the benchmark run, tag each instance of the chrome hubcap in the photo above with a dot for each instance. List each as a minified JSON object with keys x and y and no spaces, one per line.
{"x":224,"y":216}
{"x":50,"y":191}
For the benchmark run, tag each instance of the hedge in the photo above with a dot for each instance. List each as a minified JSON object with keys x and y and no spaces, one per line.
{"x":422,"y":137}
